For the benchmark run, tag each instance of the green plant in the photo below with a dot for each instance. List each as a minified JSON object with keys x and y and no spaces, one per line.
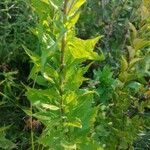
{"x":123,"y":116}
{"x":16,"y":18}
{"x":5,"y":143}
{"x":107,"y":83}
{"x":56,"y":97}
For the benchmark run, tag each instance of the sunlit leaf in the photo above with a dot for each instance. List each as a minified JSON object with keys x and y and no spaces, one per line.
{"x":51,"y":107}
{"x":74,"y":6}
{"x":68,"y":146}
{"x":74,"y":123}
{"x":83,"y":49}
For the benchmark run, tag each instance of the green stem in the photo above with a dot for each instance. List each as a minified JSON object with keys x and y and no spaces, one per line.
{"x":62,"y":61}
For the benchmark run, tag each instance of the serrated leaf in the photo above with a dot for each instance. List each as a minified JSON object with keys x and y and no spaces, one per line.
{"x":74,"y":77}
{"x":83,"y":49}
{"x":85,"y":113}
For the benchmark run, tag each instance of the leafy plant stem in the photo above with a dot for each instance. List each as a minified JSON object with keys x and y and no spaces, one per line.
{"x":62,"y":65}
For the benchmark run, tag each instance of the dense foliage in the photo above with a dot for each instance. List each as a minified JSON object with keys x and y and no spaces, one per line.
{"x":75,"y":74}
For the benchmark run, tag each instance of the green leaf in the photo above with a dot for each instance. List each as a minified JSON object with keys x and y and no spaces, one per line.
{"x":90,"y":146}
{"x":74,"y":76}
{"x":48,"y":78}
{"x":2,"y":103}
{"x":35,"y":69}
{"x":75,"y":123}
{"x":85,"y":113}
{"x":2,"y":129}
{"x":140,"y":43}
{"x":34,"y":57}
{"x":74,"y":6}
{"x":134,"y":61}
{"x":132,"y":27}
{"x":5,"y":143}
{"x":135,"y":86}
{"x":124,"y":64}
{"x":68,"y":146}
{"x":51,"y":107}
{"x":72,"y":21}
{"x":40,"y":80}
{"x":27,"y":111}
{"x":56,"y":3}
{"x":131,"y":51}
{"x":38,"y":96}
{"x":42,"y":8}
{"x":83,"y":49}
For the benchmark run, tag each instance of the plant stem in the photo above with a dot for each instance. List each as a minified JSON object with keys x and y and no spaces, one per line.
{"x":62,"y":61}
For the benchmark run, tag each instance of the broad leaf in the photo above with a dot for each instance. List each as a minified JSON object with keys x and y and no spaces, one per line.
{"x":83,"y":49}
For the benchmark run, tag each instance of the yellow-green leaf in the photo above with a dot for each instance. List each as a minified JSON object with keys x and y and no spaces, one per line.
{"x":72,"y":20}
{"x":74,"y":6}
{"x":140,"y":43}
{"x":49,"y":106}
{"x":124,"y":64}
{"x":68,"y":146}
{"x":131,"y":52}
{"x":134,"y":31}
{"x":83,"y":49}
{"x":134,"y":61}
{"x":31,"y":54}
{"x":74,"y":123}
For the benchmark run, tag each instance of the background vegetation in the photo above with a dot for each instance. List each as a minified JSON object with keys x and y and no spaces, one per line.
{"x":116,"y":115}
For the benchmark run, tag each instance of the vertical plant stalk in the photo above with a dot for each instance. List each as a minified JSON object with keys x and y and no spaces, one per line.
{"x":62,"y":59}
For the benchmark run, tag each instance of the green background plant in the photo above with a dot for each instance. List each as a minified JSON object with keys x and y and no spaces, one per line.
{"x":76,"y":101}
